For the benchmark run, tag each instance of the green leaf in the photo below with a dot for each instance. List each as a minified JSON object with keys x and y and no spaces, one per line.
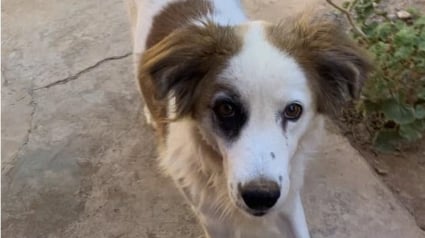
{"x":404,"y":52}
{"x":364,"y":9}
{"x":421,"y":45}
{"x":412,"y":131}
{"x":422,"y":35}
{"x":420,"y":21}
{"x":370,"y":106}
{"x":399,"y":24}
{"x":380,"y":49}
{"x":383,"y":30}
{"x":405,"y":36}
{"x":386,"y":140}
{"x":421,"y":125}
{"x":414,"y":12}
{"x":370,"y":29}
{"x":420,"y":111}
{"x":421,"y":94}
{"x":401,"y":114}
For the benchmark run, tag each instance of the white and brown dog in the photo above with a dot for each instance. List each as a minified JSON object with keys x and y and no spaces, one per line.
{"x":238,"y":106}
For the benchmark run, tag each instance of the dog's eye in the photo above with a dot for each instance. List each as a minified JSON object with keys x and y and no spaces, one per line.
{"x":228,"y":117}
{"x":293,"y":111}
{"x":224,"y":109}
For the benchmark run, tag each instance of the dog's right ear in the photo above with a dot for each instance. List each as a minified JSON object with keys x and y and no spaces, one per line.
{"x":178,"y":64}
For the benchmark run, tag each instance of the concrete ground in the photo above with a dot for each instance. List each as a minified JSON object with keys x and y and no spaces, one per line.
{"x":78,"y":158}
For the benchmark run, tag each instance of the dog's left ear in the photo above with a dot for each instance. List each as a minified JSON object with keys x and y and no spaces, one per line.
{"x":337,"y":68}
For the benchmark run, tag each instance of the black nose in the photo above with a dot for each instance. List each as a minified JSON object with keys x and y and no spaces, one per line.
{"x":260,"y":195}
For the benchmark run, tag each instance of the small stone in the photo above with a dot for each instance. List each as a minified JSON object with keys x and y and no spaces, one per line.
{"x":403,"y":15}
{"x":392,"y":16}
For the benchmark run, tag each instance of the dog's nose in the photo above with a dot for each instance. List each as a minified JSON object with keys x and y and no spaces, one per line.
{"x":260,"y":195}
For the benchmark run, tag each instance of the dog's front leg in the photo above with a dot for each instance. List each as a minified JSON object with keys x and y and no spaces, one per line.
{"x":294,"y":217}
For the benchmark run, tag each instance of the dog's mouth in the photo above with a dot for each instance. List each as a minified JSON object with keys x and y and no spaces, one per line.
{"x":258,"y":213}
{"x":255,"y":213}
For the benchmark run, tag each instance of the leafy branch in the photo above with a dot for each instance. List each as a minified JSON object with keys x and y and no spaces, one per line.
{"x":347,"y":15}
{"x":392,"y":106}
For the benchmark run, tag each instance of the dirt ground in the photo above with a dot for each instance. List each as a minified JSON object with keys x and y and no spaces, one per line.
{"x":79,"y":161}
{"x":403,"y":171}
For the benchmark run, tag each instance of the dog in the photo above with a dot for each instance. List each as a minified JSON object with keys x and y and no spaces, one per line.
{"x":238,"y":106}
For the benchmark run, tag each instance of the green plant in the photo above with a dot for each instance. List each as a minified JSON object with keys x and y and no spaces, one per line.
{"x":393,"y":99}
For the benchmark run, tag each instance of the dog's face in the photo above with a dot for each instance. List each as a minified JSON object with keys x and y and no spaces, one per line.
{"x":254,"y":92}
{"x":261,"y":109}
{"x":258,"y":120}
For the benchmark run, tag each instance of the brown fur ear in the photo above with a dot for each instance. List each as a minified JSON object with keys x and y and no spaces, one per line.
{"x":179,"y":63}
{"x":336,"y":66}
{"x":339,"y":65}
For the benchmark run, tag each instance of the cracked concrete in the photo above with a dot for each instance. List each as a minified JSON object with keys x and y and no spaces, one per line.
{"x":86,"y":70}
{"x":78,"y":158}
{"x":6,"y":165}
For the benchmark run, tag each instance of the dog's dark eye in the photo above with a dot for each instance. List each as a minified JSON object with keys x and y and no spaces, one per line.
{"x":293,"y":111}
{"x":224,"y":109}
{"x":229,"y":117}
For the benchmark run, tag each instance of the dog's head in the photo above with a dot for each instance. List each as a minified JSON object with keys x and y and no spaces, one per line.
{"x":254,"y":91}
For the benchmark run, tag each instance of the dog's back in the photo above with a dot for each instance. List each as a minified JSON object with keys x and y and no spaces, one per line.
{"x":152,"y":20}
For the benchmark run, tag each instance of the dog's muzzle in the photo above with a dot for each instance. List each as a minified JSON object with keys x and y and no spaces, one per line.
{"x":260,"y":196}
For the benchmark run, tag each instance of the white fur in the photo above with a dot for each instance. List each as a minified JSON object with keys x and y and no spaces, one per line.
{"x":268,"y":85}
{"x":144,"y":12}
{"x":228,"y":12}
{"x":267,"y":80}
{"x":225,"y":13}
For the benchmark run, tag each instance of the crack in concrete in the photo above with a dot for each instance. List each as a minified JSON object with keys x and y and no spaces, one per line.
{"x":86,"y":70}
{"x":10,"y":164}
{"x":34,"y":109}
{"x":33,"y":103}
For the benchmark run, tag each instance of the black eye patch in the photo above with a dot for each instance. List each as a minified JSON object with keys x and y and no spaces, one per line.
{"x":229,"y":116}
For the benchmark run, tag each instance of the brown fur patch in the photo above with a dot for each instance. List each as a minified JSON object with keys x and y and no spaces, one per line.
{"x":335,"y":65}
{"x":185,"y":64}
{"x":175,"y":15}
